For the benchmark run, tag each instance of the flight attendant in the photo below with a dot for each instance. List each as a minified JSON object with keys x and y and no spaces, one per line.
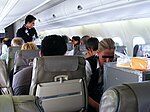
{"x":27,"y":32}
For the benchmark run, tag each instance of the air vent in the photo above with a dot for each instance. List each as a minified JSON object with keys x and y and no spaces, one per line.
{"x":54,"y":16}
{"x":79,"y":7}
{"x":39,"y":20}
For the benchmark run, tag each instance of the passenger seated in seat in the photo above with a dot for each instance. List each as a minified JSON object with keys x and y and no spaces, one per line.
{"x":76,"y":44}
{"x":14,"y":42}
{"x":29,"y":46}
{"x":92,"y":47}
{"x":84,"y":39}
{"x":17,"y":41}
{"x":94,"y":72}
{"x":51,"y":45}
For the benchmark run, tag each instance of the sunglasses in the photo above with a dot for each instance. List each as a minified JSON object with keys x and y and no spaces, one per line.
{"x":108,"y":57}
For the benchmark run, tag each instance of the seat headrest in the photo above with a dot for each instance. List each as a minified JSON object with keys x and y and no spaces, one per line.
{"x":12,"y":51}
{"x":4,"y":79}
{"x":121,"y":49}
{"x":27,"y":54}
{"x":82,"y":48}
{"x":118,"y":99}
{"x":142,"y":93}
{"x":69,"y":46}
{"x":133,"y":97}
{"x":59,"y":63}
{"x":109,"y":101}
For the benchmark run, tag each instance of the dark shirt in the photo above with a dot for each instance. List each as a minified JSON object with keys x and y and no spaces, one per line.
{"x":95,"y":88}
{"x":22,"y":81}
{"x":26,"y":34}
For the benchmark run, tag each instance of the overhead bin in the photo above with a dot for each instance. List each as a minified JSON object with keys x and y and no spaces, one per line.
{"x":79,"y":12}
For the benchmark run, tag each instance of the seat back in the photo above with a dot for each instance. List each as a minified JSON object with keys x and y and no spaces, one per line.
{"x":24,"y":58}
{"x":83,"y":50}
{"x":11,"y":56}
{"x":121,"y":49}
{"x":0,"y":48}
{"x":4,"y":79}
{"x":60,"y":81}
{"x":142,"y":50}
{"x":135,"y":50}
{"x":26,"y":103}
{"x":132,"y":97}
{"x":69,"y":46}
{"x":80,"y":50}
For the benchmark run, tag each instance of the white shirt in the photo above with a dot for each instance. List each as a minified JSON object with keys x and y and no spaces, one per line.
{"x":70,"y":53}
{"x":4,"y":52}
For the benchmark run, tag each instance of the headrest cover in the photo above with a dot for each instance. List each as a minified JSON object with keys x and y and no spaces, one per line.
{"x":60,"y":63}
{"x":12,"y":51}
{"x":109,"y":101}
{"x":142,"y":93}
{"x":28,"y":54}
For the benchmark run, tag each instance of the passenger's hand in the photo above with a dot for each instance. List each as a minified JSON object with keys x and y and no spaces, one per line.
{"x":94,"y":104}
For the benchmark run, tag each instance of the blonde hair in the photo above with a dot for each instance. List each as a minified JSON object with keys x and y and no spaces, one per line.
{"x":29,"y":46}
{"x":106,"y":43}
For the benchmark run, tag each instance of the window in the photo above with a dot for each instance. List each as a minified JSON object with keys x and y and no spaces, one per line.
{"x":118,"y":41}
{"x":138,"y":40}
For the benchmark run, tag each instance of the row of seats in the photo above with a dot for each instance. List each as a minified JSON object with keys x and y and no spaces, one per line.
{"x":26,"y":56}
{"x":138,"y":49}
{"x":63,"y":83}
{"x":65,"y":86}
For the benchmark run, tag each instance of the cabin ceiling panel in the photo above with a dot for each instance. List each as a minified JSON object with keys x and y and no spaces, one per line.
{"x":13,"y":10}
{"x":127,"y":10}
{"x":109,"y":1}
{"x":3,"y":4}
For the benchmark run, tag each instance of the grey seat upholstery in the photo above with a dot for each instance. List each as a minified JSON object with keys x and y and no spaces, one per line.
{"x":69,"y":46}
{"x":135,"y":50}
{"x":24,"y":58}
{"x":121,"y":49}
{"x":0,"y":48}
{"x":142,"y":50}
{"x":24,"y":103}
{"x":4,"y":79}
{"x":11,"y":56}
{"x":83,"y":49}
{"x":60,"y":82}
{"x":132,"y":97}
{"x":80,"y":50}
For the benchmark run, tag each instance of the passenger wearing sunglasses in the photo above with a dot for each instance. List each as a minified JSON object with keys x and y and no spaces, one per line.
{"x":94,"y":71}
